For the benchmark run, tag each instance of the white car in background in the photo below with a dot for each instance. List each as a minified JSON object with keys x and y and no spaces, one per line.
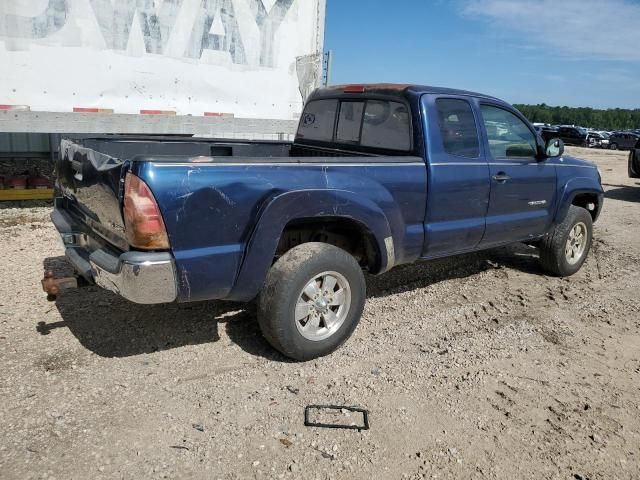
{"x":598,"y":139}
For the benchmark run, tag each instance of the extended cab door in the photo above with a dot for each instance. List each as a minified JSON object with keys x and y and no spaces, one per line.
{"x":523,"y":187}
{"x":458,"y":176}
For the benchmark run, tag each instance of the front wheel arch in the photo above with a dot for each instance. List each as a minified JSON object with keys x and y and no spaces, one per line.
{"x":589,"y":201}
{"x":580,"y":188}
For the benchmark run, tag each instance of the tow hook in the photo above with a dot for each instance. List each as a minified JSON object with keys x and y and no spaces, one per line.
{"x":55,"y":286}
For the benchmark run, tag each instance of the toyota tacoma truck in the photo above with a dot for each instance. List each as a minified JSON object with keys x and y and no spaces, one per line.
{"x":378,"y":176}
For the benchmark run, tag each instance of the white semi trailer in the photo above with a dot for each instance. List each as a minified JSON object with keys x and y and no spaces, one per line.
{"x":224,"y":68}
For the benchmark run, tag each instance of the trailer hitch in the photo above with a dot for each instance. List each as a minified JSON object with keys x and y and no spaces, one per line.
{"x":55,"y":286}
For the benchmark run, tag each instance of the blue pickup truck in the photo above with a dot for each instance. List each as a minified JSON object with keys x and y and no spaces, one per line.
{"x":378,"y":176}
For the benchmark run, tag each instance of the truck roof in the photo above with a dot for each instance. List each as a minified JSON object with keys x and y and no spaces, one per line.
{"x":392,"y":89}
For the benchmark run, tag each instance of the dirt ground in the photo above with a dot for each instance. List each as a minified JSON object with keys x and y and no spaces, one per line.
{"x":473,"y":367}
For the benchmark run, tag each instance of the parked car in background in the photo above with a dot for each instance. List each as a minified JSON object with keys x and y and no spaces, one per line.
{"x":598,"y":139}
{"x":573,"y":135}
{"x":547,"y":132}
{"x":623,"y":141}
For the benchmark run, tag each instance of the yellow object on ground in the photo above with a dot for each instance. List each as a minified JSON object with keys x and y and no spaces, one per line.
{"x":27,"y":194}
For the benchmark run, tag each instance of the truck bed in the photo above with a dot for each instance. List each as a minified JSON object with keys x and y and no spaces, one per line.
{"x":213,"y":194}
{"x":127,"y":147}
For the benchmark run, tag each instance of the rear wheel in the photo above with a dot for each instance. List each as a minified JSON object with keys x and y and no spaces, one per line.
{"x":564,"y":251}
{"x":312,"y":301}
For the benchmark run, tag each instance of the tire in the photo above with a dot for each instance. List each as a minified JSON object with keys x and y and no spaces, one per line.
{"x":613,"y":146}
{"x":553,"y":248}
{"x":634,"y":163}
{"x":313,"y":336}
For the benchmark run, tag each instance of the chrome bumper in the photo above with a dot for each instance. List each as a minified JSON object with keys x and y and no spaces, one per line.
{"x":140,"y":280}
{"x":141,"y":277}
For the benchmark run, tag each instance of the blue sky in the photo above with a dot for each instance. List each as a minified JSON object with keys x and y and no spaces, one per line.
{"x":560,"y":52}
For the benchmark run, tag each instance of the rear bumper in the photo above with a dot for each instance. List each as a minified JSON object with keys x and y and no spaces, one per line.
{"x":141,"y":277}
{"x":146,"y":278}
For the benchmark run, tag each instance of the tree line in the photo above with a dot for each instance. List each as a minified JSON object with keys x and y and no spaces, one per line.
{"x":611,"y":119}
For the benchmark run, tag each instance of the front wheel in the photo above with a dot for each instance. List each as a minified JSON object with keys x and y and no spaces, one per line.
{"x":613,"y":146}
{"x":564,"y":251}
{"x":312,"y":301}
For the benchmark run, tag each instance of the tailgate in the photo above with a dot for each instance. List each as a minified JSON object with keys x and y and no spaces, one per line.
{"x":89,"y":182}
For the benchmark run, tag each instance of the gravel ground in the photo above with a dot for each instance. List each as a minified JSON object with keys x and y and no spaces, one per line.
{"x":474,"y":367}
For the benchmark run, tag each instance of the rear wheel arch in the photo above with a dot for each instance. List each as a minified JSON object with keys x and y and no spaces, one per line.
{"x":346,"y":233}
{"x":296,"y":206}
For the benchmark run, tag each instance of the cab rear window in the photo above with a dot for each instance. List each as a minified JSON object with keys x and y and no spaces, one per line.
{"x":350,"y":122}
{"x":378,"y":124}
{"x":386,"y":125}
{"x":318,"y":120}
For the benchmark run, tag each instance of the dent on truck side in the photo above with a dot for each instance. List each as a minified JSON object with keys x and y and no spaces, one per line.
{"x":308,"y":204}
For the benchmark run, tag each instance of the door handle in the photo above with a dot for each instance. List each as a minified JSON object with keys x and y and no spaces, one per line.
{"x":501,"y":177}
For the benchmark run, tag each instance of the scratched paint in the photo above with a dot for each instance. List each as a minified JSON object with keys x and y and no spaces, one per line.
{"x":247,"y":57}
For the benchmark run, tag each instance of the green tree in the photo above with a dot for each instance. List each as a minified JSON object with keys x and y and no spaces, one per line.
{"x":611,"y":119}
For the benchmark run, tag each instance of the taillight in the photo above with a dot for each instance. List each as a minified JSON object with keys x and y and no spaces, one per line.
{"x":143,"y":222}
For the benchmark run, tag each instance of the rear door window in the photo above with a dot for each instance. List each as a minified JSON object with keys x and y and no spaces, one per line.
{"x":458,"y":128}
{"x":386,"y":125}
{"x":350,"y":122}
{"x":318,"y":120}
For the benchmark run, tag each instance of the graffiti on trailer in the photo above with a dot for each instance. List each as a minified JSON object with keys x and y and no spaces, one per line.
{"x":115,"y":19}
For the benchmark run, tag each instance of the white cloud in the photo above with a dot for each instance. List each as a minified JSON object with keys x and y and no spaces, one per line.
{"x":588,"y":29}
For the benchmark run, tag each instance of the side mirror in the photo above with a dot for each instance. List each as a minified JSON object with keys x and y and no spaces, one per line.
{"x":554,"y":148}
